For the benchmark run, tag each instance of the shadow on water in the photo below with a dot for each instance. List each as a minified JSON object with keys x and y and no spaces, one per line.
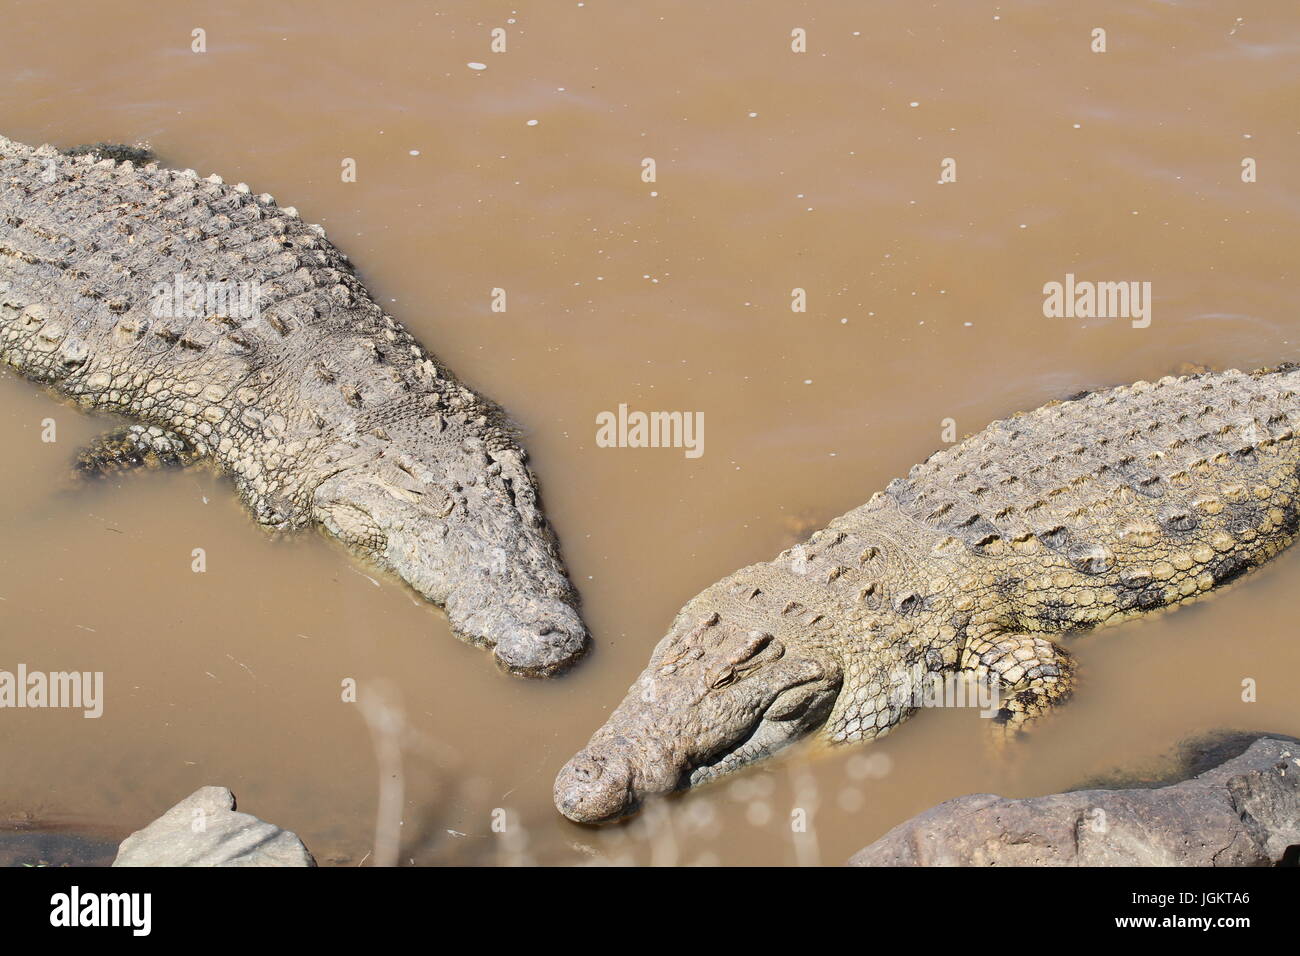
{"x":44,"y":844}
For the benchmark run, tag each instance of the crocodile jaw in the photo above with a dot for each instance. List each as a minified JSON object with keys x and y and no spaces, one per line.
{"x":470,"y":538}
{"x":711,"y":702}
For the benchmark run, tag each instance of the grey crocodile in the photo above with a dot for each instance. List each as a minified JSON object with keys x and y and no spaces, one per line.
{"x":226,"y":329}
{"x":1084,"y":512}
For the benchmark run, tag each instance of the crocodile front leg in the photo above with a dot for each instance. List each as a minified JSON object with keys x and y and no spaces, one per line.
{"x":136,"y":446}
{"x":1033,"y":674}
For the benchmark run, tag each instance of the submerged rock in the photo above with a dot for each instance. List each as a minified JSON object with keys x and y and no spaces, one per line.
{"x":1244,"y":812}
{"x":204,"y":829}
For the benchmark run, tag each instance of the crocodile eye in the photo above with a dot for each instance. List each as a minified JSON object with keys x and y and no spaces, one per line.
{"x":725,"y":678}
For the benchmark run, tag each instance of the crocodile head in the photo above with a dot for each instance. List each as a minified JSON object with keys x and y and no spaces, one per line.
{"x":714,"y":698}
{"x":466,"y":532}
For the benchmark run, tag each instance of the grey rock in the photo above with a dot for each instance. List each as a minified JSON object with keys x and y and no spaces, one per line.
{"x":1245,"y":812}
{"x":204,"y":829}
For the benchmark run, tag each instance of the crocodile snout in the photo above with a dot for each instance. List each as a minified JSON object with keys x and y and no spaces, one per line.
{"x":594,"y":787}
{"x":543,"y":642}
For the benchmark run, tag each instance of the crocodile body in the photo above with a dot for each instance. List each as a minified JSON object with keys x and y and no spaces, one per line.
{"x":126,"y":287}
{"x":1081,"y":513}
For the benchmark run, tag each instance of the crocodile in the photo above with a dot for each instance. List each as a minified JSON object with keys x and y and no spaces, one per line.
{"x":1107,"y":506}
{"x":225,"y":329}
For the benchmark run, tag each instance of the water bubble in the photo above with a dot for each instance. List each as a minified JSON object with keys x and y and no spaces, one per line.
{"x":701,"y":815}
{"x":850,"y":800}
{"x":874,"y":766}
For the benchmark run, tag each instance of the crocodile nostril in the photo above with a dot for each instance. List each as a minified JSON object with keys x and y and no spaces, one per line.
{"x":568,"y":637}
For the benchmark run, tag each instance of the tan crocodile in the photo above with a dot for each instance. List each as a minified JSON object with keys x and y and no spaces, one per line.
{"x":1080,"y":513}
{"x":226,"y":329}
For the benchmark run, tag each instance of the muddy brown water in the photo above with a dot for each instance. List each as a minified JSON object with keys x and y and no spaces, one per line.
{"x":775,"y":171}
